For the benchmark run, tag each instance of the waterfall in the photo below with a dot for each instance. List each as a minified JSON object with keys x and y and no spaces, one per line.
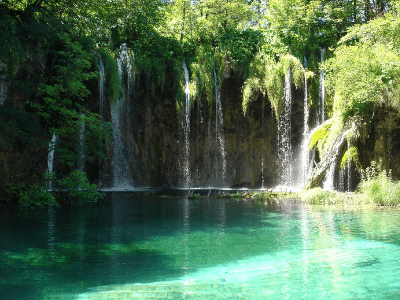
{"x":306,"y":132}
{"x":285,"y":129}
{"x":348,"y":166}
{"x":329,"y":177}
{"x":199,"y":121}
{"x":341,"y":180}
{"x":50,"y":159}
{"x":186,"y":128}
{"x":102,"y":84}
{"x":208,"y":158}
{"x":102,"y":101}
{"x":81,"y":149}
{"x":321,"y":104}
{"x":219,"y":135}
{"x":120,"y":168}
{"x":262,"y":145}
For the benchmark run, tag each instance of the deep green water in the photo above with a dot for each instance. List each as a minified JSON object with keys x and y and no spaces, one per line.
{"x":133,"y":246}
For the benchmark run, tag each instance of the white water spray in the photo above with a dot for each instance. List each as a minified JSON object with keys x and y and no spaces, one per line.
{"x":329,"y":177}
{"x":102,"y":101}
{"x":50,"y":159}
{"x":102,"y":84}
{"x":285,"y":130}
{"x":219,"y":135}
{"x":186,"y":128}
{"x":348,"y":166}
{"x":306,"y":132}
{"x":262,"y":146}
{"x":120,"y":169}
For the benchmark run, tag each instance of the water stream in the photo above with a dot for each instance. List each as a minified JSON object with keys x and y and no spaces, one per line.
{"x":285,"y":154}
{"x":186,"y":128}
{"x":102,"y":87}
{"x":262,"y":147}
{"x":50,"y":159}
{"x":348,"y":166}
{"x":102,"y":107}
{"x":304,"y":170}
{"x":220,"y":163}
{"x":120,"y":167}
{"x":329,"y":177}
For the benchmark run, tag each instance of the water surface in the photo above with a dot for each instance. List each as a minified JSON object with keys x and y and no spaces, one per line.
{"x":136,"y":246}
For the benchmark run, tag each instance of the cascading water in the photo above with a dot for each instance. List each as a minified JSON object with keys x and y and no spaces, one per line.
{"x":341,"y":180}
{"x":219,"y":134}
{"x":50,"y":159}
{"x":186,"y":128}
{"x":329,"y":177}
{"x":321,"y":104}
{"x":306,"y":132}
{"x":199,"y":121}
{"x":120,"y":169}
{"x":348,"y":166}
{"x":285,"y":129}
{"x":208,"y":157}
{"x":102,"y":101}
{"x":102,"y":84}
{"x":262,"y":146}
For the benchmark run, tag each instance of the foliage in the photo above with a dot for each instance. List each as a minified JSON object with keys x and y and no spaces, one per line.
{"x":11,"y":51}
{"x":18,"y":127}
{"x":377,"y":186}
{"x":318,"y":196}
{"x":61,"y":109}
{"x":33,"y":196}
{"x":79,"y":187}
{"x":364,"y":74}
{"x":240,"y":46}
{"x":306,"y":25}
{"x":267,"y":76}
{"x":64,"y":96}
{"x":206,"y":22}
{"x":202,"y":70}
{"x":363,"y":77}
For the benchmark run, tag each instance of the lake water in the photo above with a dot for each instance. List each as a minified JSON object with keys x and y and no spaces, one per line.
{"x":137,"y":246}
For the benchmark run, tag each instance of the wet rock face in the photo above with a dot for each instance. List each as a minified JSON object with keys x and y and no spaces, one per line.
{"x":21,"y":159}
{"x":153,"y":135}
{"x":383,"y":142}
{"x":4,"y":83}
{"x":155,"y":144}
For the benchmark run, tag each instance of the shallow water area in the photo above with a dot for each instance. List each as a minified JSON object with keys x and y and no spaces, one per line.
{"x":149,"y":245}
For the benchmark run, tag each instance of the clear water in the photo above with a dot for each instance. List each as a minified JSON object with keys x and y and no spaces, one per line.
{"x":133,"y":246}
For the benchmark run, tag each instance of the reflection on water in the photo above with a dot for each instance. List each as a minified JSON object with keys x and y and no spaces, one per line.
{"x":135,"y":246}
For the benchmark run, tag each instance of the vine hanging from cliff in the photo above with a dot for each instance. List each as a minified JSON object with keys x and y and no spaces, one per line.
{"x":267,"y":76}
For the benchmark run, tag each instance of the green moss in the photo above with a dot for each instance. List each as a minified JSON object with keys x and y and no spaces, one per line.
{"x":351,"y":155}
{"x":251,"y":89}
{"x":320,"y":134}
{"x":202,"y":73}
{"x":155,"y":69}
{"x":111,"y":72}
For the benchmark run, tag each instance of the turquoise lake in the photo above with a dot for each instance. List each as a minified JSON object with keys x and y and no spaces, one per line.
{"x":138,"y":246}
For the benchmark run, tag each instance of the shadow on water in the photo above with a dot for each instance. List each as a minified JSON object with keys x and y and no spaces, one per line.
{"x":126,"y":237}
